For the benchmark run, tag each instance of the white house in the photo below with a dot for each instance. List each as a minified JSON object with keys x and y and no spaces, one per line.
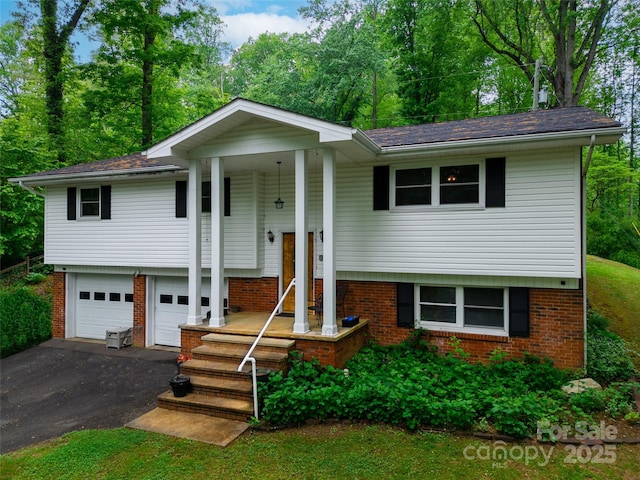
{"x":472,"y":229}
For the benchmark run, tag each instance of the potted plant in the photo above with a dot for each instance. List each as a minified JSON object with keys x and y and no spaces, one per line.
{"x":180,"y":384}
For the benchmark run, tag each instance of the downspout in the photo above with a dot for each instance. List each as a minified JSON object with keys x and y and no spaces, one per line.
{"x":585,"y":171}
{"x":30,"y":190}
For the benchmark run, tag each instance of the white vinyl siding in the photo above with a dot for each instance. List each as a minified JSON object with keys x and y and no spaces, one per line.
{"x":535,"y":235}
{"x":144,"y":231}
{"x":240,"y":228}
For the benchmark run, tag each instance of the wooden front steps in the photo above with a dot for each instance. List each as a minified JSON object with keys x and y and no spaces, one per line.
{"x":217,"y":388}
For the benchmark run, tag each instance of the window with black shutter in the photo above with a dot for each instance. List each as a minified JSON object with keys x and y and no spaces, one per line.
{"x":89,"y":203}
{"x":406,"y":306}
{"x":519,"y":312}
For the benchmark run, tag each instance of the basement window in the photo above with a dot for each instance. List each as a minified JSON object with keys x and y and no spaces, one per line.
{"x":473,"y":309}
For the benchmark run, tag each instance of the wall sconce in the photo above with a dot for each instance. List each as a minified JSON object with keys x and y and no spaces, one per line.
{"x":279,"y":202}
{"x":270,"y":236}
{"x":322,"y":235}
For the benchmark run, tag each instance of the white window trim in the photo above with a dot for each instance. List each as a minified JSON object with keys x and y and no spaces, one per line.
{"x":89,"y":218}
{"x":435,"y":187}
{"x":459,"y":325}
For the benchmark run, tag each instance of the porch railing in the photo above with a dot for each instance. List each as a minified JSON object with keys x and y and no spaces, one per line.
{"x":249,"y":358}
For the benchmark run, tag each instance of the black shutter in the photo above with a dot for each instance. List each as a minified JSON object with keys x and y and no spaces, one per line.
{"x":206,"y":197}
{"x":227,"y":196}
{"x":405,"y":305}
{"x":181,"y":199}
{"x":105,"y":202}
{"x":71,"y":203}
{"x":381,"y":187}
{"x":518,"y":312}
{"x":495,"y":187}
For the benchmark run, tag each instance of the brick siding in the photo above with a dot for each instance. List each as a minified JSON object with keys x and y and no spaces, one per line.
{"x":253,"y":294}
{"x":556,"y":322}
{"x":139,"y":310}
{"x":59,"y":304}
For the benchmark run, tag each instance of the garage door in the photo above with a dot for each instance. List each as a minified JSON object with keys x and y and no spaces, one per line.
{"x":102,"y":302}
{"x":172,"y":308}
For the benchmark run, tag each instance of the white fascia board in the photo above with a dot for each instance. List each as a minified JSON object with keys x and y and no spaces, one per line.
{"x":93,"y":176}
{"x":327,"y":132}
{"x":541,"y":140}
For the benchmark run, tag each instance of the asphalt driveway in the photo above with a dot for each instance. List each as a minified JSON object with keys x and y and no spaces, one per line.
{"x":65,"y":385}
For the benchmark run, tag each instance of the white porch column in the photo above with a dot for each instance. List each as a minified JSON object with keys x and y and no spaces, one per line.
{"x":217,"y":243}
{"x":301,"y":322}
{"x":194,"y":213}
{"x":329,"y":325}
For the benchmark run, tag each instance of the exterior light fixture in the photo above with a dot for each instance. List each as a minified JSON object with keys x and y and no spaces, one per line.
{"x":543,"y":97}
{"x":270,"y":236}
{"x":322,"y":235}
{"x":279,"y":202}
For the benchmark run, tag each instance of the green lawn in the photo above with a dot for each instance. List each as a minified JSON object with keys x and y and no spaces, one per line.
{"x":337,"y":451}
{"x":613,"y":290}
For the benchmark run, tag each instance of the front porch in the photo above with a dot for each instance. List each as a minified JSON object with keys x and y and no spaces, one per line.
{"x":329,"y":350}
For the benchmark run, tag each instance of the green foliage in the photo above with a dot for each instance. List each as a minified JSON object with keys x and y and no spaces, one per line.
{"x":410,"y":385}
{"x":590,"y":400}
{"x":607,"y":355}
{"x":614,"y":238}
{"x":619,"y":399}
{"x":26,"y":320}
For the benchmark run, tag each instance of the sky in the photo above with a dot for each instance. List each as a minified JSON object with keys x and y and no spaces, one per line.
{"x":243,"y":19}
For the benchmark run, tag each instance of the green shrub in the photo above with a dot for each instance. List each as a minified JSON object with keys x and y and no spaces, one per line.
{"x":34,"y":278}
{"x":596,"y":321}
{"x":26,"y":320}
{"x":589,"y":401}
{"x":410,"y":385}
{"x":607,"y":357}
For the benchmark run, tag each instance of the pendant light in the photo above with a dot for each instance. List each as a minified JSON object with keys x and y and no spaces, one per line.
{"x":279,"y":202}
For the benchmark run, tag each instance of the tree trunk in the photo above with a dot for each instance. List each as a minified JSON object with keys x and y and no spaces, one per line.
{"x":54,"y":44}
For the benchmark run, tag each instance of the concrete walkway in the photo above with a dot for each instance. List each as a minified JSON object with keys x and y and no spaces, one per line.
{"x":64,"y":385}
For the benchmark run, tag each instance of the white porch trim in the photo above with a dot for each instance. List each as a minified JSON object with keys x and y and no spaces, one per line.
{"x":301,"y":322}
{"x":217,"y":243}
{"x":194,"y":214}
{"x":329,"y":324}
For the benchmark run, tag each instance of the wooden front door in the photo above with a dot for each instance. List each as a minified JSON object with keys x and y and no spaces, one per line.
{"x":289,"y":269}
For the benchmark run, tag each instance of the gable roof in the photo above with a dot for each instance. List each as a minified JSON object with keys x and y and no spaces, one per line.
{"x":530,"y":123}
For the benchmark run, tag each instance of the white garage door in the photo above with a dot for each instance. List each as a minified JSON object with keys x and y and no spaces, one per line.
{"x":172,"y":308}
{"x":102,"y":302}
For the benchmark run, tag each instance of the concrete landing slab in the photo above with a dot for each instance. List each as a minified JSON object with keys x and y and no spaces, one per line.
{"x":192,"y":426}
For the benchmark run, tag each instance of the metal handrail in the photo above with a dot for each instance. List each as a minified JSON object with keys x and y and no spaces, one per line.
{"x":249,"y":358}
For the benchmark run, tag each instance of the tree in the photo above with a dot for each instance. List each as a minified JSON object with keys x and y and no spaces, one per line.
{"x":139,"y":38}
{"x":55,"y":34}
{"x":564,"y":33}
{"x":204,"y":79}
{"x":437,"y":62}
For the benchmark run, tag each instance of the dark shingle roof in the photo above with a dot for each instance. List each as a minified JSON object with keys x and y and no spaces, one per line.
{"x":135,"y":161}
{"x":537,"y":122}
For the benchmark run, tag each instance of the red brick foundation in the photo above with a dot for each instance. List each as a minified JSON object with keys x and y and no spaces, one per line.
{"x":253,"y":294}
{"x":556,"y":322}
{"x":556,"y":331}
{"x":335,"y":353}
{"x":139,"y":310}
{"x":190,"y":339}
{"x":59,"y":304}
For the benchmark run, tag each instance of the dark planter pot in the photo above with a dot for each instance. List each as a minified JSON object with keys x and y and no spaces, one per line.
{"x":180,"y":384}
